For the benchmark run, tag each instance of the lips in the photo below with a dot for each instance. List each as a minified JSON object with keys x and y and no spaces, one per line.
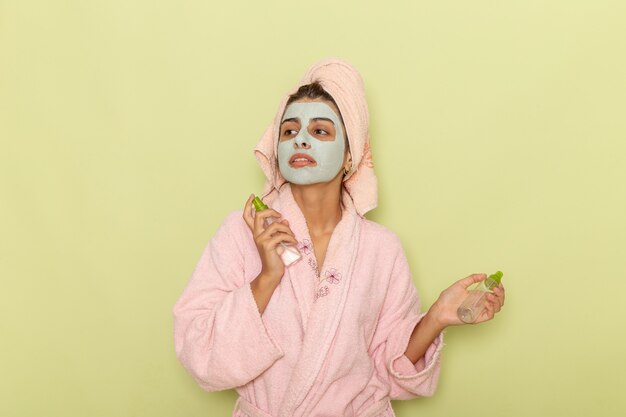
{"x":301,"y":160}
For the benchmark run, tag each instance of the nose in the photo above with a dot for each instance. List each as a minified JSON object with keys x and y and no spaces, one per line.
{"x":301,"y":141}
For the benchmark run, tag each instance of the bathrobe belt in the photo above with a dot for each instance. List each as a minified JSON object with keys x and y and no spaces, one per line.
{"x":252,"y":411}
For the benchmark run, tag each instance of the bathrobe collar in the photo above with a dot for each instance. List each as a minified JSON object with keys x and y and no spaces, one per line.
{"x":321,"y":298}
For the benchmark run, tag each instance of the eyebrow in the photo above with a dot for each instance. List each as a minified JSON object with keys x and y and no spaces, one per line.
{"x":315,"y":119}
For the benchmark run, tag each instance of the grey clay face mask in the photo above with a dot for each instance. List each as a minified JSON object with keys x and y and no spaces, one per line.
{"x":328,"y":154}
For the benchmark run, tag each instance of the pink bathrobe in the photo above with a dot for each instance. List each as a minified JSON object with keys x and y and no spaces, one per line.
{"x":331,"y":345}
{"x":332,"y":338}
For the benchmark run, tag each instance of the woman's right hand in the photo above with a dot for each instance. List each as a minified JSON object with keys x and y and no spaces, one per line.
{"x":267,"y":239}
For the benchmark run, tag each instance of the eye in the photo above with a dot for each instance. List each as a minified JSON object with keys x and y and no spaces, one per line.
{"x":321,"y":130}
{"x":286,"y":132}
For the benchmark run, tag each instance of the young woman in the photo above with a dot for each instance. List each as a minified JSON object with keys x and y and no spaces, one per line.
{"x":340,"y":331}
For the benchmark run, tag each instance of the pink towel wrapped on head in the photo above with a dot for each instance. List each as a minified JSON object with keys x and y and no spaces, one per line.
{"x":332,"y":338}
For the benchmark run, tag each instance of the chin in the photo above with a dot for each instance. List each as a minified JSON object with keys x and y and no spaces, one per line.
{"x":301,"y":176}
{"x":311,"y":182}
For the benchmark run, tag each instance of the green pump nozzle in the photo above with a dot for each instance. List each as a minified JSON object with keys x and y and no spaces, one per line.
{"x":258,"y":204}
{"x":497,"y":277}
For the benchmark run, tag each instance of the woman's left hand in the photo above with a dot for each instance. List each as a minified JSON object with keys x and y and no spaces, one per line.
{"x":444,"y":310}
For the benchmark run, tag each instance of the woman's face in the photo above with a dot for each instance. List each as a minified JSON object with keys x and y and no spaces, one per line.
{"x":312,"y":145}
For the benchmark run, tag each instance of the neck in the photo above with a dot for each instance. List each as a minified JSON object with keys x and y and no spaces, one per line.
{"x":320,"y":204}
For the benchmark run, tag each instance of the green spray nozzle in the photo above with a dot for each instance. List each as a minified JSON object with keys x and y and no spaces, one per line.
{"x":258,"y":204}
{"x":497,"y":277}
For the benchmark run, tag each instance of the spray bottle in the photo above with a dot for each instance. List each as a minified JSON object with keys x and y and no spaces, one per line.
{"x":290,"y":254}
{"x":474,"y":304}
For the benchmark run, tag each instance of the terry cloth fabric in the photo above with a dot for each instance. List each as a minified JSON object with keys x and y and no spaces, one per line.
{"x":344,"y":83}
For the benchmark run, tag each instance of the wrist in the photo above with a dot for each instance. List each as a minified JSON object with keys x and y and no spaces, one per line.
{"x":434,"y":318}
{"x":265,"y":281}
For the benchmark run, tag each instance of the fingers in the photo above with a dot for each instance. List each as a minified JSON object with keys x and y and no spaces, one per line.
{"x":471,"y":279}
{"x":499,"y":292}
{"x":270,"y":236}
{"x":490,"y":310}
{"x":493,"y":301}
{"x":270,"y":243}
{"x":259,"y":219}
{"x":247,"y":212}
{"x":276,"y":227}
{"x":280,"y":237}
{"x":255,"y":220}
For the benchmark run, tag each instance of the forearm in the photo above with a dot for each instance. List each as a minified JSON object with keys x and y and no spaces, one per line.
{"x":262,"y":290}
{"x":424,"y":334}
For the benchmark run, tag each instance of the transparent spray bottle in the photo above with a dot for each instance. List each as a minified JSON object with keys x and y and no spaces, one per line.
{"x":290,"y":254}
{"x":474,"y":304}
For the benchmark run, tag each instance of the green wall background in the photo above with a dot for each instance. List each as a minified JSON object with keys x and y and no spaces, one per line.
{"x":127,"y":128}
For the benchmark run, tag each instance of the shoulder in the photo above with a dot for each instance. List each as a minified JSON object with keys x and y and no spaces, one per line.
{"x":233,"y":226}
{"x":384,"y":238}
{"x":231,"y":238}
{"x":234,"y":219}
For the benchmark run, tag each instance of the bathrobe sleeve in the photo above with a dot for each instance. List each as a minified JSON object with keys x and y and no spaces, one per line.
{"x":219,"y":335}
{"x":399,"y":316}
